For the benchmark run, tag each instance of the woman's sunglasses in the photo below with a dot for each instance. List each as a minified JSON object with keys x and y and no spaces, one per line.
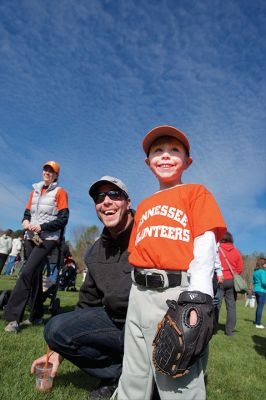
{"x":112,"y":194}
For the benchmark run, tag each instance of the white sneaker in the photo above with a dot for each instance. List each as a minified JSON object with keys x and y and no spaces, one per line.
{"x":12,"y":327}
{"x":260,"y":326}
{"x":28,"y":322}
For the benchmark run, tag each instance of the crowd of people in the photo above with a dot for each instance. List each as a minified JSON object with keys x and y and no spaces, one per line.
{"x":172,"y":244}
{"x":10,"y":249}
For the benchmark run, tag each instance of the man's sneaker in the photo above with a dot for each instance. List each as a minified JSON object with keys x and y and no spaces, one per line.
{"x":102,"y":392}
{"x":260,"y":326}
{"x":12,"y":327}
{"x":28,"y":322}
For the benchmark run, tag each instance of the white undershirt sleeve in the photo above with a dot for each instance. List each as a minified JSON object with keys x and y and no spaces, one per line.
{"x":201,"y":268}
{"x":218,"y":270}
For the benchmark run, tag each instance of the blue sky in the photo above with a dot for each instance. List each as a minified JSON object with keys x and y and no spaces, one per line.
{"x":81,"y":82}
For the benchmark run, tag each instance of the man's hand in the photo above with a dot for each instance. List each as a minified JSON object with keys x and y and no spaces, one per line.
{"x":220,"y":279}
{"x":54,"y":358}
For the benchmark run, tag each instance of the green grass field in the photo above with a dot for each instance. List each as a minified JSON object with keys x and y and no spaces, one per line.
{"x":236,"y":368}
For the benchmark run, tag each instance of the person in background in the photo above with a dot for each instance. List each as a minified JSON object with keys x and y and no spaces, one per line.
{"x":56,"y":260}
{"x":44,"y":220}
{"x":217,"y":280}
{"x":228,"y":251}
{"x":84,"y":273}
{"x":13,"y":256}
{"x":5,"y":247}
{"x":259,"y":287}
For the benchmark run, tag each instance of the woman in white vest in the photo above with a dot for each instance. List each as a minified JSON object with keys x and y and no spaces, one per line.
{"x":44,"y":220}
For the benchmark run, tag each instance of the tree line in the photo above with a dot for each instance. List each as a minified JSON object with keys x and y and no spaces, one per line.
{"x":84,"y":237}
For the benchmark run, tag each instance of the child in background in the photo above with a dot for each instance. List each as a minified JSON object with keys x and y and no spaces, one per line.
{"x":172,"y":249}
{"x":84,"y":273}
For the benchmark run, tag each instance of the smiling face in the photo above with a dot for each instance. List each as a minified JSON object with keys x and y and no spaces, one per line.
{"x":168,"y":159}
{"x":48,"y":175}
{"x":114,"y":214}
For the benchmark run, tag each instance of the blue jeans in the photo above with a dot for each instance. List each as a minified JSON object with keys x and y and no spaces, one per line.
{"x":89,"y":339}
{"x":261,"y":298}
{"x":10,"y":264}
{"x":216,"y":305}
{"x":53,"y":272}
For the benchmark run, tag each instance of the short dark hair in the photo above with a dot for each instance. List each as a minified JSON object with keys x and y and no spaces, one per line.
{"x":260,"y":262}
{"x":9,"y":232}
{"x":227,"y":238}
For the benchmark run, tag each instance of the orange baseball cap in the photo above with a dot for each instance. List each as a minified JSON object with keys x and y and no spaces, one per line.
{"x":164,"y":130}
{"x":54,"y":165}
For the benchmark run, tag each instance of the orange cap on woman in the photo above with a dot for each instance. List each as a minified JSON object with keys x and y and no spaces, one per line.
{"x":54,"y":165}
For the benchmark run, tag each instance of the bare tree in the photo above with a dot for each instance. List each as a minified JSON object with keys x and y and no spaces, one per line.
{"x":83,"y":238}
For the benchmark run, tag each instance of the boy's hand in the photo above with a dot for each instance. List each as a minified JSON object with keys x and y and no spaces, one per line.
{"x":54,"y":358}
{"x":193,"y":318}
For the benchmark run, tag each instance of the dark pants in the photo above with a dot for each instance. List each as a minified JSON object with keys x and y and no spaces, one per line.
{"x":89,"y":339}
{"x":260,"y":298}
{"x":227,"y":292}
{"x":216,"y":303}
{"x":29,"y":283}
{"x":3,"y":258}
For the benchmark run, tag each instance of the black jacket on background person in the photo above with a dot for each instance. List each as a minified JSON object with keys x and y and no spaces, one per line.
{"x":108,"y":280}
{"x":64,"y":250}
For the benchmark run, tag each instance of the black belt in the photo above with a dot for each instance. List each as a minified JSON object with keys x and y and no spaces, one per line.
{"x":156,"y":280}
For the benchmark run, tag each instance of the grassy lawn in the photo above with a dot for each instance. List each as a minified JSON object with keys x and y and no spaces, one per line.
{"x":236,"y":368}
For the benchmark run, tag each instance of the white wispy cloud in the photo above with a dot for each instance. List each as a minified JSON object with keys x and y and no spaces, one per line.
{"x":82,"y":82}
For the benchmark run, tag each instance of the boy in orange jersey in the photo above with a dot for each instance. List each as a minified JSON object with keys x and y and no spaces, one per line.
{"x":172,"y":248}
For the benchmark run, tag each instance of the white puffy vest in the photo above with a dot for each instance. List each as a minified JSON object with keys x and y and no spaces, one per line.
{"x":43,"y":208}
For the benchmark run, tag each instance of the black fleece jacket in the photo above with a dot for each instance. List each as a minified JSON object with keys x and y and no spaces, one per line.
{"x":108,"y":280}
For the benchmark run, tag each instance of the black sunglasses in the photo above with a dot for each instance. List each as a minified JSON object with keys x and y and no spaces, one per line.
{"x":112,"y":194}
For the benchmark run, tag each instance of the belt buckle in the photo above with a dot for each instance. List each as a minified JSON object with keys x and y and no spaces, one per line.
{"x":153,"y":286}
{"x":163,"y":276}
{"x":165,"y":279}
{"x":146,"y":279}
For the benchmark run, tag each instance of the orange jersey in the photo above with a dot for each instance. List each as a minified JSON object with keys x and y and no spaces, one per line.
{"x":167,"y":223}
{"x":60,"y":197}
